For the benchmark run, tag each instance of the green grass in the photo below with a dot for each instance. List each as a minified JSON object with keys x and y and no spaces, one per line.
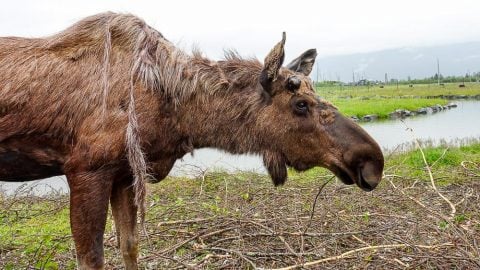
{"x":389,"y":91}
{"x":362,"y":100}
{"x":382,"y":107}
{"x":36,"y":230}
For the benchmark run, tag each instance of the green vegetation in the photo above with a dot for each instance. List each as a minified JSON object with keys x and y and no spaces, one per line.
{"x":382,"y":107}
{"x":362,"y":100}
{"x":220,"y":207}
{"x":391,"y":91}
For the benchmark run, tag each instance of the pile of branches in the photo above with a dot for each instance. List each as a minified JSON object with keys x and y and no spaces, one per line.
{"x":403,"y":224}
{"x":239,"y":221}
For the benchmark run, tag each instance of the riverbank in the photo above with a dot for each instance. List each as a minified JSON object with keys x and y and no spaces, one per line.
{"x":381,"y":103}
{"x":240,"y":220}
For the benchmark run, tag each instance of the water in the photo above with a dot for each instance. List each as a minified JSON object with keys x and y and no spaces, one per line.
{"x":457,"y":123}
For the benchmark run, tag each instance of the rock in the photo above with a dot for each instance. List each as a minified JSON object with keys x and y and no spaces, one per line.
{"x":436,"y":108}
{"x":422,"y":111}
{"x":355,"y":118}
{"x":400,"y":113}
{"x":394,"y":115}
{"x":451,"y":105}
{"x":370,"y":117}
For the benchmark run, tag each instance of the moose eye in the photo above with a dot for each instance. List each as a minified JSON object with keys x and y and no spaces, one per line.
{"x":301,"y":107}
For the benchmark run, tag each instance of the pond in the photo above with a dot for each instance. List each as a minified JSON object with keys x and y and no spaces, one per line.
{"x":455,"y":124}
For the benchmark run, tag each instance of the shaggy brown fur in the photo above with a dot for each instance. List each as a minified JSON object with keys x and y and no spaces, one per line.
{"x":110,"y":103}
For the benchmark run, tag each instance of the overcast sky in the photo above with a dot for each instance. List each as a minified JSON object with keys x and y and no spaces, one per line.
{"x":252,"y":27}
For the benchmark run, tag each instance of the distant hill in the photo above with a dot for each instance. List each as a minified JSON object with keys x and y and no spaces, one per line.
{"x":416,"y":62}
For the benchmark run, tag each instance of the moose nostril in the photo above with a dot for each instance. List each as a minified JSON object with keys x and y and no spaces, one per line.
{"x":369,"y":176}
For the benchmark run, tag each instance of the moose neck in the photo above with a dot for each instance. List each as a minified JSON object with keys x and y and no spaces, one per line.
{"x":227,"y":118}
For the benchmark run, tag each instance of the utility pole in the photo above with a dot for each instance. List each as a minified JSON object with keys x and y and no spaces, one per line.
{"x":438,"y":72}
{"x":386,"y":78}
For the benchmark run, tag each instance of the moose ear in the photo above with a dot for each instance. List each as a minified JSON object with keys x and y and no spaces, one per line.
{"x":272,"y":64}
{"x":304,"y":63}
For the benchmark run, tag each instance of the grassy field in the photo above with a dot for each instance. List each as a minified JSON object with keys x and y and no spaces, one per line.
{"x":391,"y":90}
{"x":240,"y":221}
{"x":362,"y":100}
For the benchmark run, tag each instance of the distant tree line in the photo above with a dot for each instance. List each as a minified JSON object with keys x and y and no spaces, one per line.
{"x":473,"y":77}
{"x":469,"y":77}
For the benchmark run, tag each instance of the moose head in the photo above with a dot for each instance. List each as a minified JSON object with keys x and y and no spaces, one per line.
{"x":305,"y":131}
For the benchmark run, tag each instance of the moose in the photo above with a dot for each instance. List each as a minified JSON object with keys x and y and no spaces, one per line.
{"x":112,"y":104}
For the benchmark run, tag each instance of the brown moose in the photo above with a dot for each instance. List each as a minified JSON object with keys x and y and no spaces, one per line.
{"x":110,"y":103}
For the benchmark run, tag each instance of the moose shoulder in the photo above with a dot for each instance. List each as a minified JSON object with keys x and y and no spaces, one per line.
{"x":110,"y":103}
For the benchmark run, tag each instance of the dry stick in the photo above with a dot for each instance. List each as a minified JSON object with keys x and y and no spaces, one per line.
{"x":204,"y":173}
{"x":185,"y":265}
{"x":413,"y":199}
{"x":199,"y":235}
{"x":287,"y":245}
{"x":315,"y":203}
{"x":301,"y":234}
{"x":348,"y":253}
{"x":332,"y":234}
{"x":401,"y":263}
{"x":432,"y":181}
{"x":434,"y":213}
{"x":175,"y":222}
{"x":273,"y":233}
{"x":464,"y":166}
{"x":238,"y":253}
{"x":360,"y":240}
{"x":441,"y":157}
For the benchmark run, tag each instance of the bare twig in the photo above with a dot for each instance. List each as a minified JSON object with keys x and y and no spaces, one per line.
{"x":315,"y":203}
{"x":351,"y":252}
{"x":238,"y":253}
{"x":430,"y":174}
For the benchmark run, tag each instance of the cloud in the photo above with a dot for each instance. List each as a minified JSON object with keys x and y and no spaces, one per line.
{"x":418,"y":56}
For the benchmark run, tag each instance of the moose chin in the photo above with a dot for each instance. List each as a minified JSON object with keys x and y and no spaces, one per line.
{"x":112,"y":104}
